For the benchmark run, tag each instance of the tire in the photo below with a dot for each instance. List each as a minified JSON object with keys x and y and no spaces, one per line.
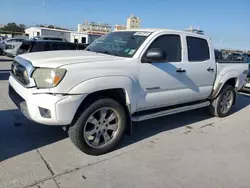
{"x":216,"y":109}
{"x":1,"y":51}
{"x":90,"y":128}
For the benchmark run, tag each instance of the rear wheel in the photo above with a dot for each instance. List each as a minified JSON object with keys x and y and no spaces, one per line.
{"x":221,"y":106}
{"x":1,"y":51}
{"x":99,"y":128}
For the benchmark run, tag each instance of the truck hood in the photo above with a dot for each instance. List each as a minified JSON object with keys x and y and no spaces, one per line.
{"x":54,"y":59}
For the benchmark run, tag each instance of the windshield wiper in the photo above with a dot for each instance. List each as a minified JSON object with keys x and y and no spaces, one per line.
{"x":106,"y":52}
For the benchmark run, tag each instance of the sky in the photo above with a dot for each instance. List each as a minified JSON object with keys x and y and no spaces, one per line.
{"x":227,"y":22}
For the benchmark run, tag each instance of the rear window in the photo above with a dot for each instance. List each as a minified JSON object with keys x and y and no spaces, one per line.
{"x":198,"y":49}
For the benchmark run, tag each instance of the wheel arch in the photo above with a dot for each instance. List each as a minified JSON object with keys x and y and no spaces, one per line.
{"x":104,"y":83}
{"x":232,"y":77}
{"x":230,"y":81}
{"x":121,"y":88}
{"x":118,"y":94}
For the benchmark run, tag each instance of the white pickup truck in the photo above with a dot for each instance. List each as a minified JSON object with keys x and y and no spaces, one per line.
{"x":124,"y":76}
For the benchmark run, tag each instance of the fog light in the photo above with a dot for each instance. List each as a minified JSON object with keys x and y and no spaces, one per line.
{"x":45,"y":112}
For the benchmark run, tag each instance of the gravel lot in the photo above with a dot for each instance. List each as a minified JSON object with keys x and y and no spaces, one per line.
{"x":184,"y":150}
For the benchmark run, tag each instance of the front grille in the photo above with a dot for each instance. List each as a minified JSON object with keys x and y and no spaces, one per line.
{"x":20,"y":73}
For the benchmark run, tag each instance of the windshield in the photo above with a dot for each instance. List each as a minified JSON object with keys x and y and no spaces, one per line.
{"x":235,"y":54}
{"x":123,"y":44}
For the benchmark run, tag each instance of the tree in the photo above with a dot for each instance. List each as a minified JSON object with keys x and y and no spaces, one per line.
{"x":51,"y":26}
{"x":40,"y":25}
{"x":13,"y":27}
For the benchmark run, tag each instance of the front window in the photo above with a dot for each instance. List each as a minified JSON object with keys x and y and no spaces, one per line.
{"x":123,"y":44}
{"x":11,"y":40}
{"x":170,"y":45}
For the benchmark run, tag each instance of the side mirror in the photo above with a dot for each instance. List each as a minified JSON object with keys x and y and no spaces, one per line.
{"x":154,"y":55}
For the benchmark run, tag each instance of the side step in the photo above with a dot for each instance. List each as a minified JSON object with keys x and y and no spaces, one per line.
{"x":170,"y":111}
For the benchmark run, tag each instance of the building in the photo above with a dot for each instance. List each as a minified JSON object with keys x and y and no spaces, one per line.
{"x":70,"y":36}
{"x":94,"y":28}
{"x":195,"y":30}
{"x":120,"y":27}
{"x":2,"y":26}
{"x":133,"y":22}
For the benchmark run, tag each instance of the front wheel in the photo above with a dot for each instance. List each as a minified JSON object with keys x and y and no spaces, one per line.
{"x":221,"y":106}
{"x":100,"y":127}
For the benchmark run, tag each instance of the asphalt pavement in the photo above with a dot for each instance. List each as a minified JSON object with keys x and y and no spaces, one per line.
{"x":184,"y":150}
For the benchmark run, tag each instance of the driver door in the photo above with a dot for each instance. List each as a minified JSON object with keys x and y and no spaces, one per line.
{"x":161,"y":82}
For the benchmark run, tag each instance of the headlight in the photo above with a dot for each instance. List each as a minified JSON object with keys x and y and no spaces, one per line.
{"x":48,"y":78}
{"x":9,"y":46}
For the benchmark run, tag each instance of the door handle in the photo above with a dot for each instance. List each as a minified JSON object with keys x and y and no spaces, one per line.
{"x":210,"y":69}
{"x":180,"y":70}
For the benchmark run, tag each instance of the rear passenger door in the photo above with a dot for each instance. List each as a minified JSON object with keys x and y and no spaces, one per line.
{"x":200,"y":66}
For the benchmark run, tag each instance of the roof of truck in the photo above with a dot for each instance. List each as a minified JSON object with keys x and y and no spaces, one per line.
{"x":162,"y":30}
{"x":148,"y":29}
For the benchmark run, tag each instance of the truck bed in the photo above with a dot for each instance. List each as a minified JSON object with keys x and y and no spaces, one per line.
{"x":227,"y":69}
{"x":228,"y":61}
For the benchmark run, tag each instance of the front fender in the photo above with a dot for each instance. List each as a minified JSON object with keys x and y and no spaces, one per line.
{"x":109,"y":82}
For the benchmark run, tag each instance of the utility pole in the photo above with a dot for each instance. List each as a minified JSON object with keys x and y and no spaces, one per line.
{"x":45,"y":16}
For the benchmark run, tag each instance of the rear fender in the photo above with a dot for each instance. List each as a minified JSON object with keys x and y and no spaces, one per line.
{"x":222,"y":79}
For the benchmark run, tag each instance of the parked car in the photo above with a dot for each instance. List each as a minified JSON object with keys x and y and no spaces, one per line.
{"x":11,"y":49}
{"x":29,"y":46}
{"x":2,"y":47}
{"x":235,"y":57}
{"x":247,"y":58}
{"x":218,"y":54}
{"x":10,"y":42}
{"x":246,"y":88}
{"x":124,"y":76}
{"x":2,"y":38}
